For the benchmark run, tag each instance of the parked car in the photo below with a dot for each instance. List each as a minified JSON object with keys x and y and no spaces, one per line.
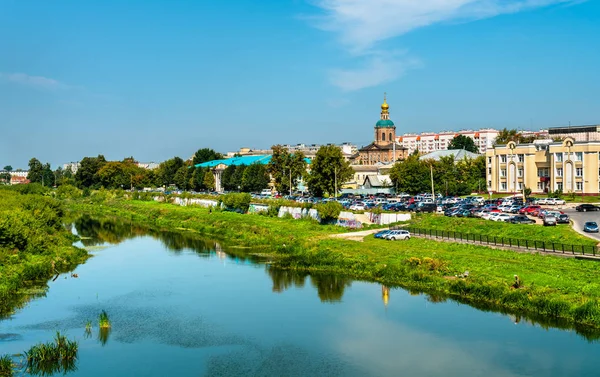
{"x":563,"y":218}
{"x":398,"y":235}
{"x":426,"y":207}
{"x":521,"y":219}
{"x":383,"y":233}
{"x":590,"y":227}
{"x":529,"y":209}
{"x":503,"y":217}
{"x":586,"y":208}
{"x":555,"y":201}
{"x":550,"y":220}
{"x":358,"y":207}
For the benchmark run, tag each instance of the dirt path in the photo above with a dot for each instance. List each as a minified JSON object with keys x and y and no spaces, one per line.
{"x":356,"y":236}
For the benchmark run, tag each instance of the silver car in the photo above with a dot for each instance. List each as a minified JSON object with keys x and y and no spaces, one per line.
{"x":397,"y":235}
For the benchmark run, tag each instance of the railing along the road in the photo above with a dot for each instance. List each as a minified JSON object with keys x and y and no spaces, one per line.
{"x":545,"y":246}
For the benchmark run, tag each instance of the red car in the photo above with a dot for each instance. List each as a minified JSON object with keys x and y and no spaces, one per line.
{"x":529,"y":210}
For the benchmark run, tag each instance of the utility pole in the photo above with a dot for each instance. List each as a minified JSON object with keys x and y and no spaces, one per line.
{"x":290,"y":182}
{"x":432,"y":188}
{"x":131,"y":182}
{"x":335,"y":180}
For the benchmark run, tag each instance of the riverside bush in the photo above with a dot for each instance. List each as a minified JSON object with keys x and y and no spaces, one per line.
{"x":238,"y":202}
{"x":329,"y":211}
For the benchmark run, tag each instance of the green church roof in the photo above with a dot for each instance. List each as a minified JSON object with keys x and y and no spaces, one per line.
{"x":384,"y":123}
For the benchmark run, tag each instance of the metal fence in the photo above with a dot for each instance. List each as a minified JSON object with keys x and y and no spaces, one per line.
{"x":545,"y":246}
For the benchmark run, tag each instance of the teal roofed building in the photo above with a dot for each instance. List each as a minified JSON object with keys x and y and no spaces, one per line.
{"x":218,"y":166}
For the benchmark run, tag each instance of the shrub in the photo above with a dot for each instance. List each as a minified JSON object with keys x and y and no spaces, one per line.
{"x":239,"y":202}
{"x":68,"y":192}
{"x":329,"y":211}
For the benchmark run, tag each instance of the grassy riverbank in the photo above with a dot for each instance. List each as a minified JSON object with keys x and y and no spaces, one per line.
{"x":551,"y":287}
{"x":34,"y":246}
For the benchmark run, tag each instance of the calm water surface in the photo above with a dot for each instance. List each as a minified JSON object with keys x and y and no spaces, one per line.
{"x":185,"y":307}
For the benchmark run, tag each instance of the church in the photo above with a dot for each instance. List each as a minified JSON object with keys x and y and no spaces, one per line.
{"x":385,"y":149}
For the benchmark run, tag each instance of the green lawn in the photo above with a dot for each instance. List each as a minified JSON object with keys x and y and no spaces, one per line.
{"x":562,"y":233}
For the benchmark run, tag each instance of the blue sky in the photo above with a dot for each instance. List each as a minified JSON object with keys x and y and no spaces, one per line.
{"x":155,"y":79}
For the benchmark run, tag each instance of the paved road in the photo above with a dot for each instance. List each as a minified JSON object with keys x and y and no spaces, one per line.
{"x":579,"y":218}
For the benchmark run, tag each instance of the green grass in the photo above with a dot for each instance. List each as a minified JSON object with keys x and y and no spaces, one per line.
{"x":553,"y":288}
{"x":562,"y":233}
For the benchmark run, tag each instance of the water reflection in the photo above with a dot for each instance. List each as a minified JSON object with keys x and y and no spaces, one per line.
{"x":330,"y":288}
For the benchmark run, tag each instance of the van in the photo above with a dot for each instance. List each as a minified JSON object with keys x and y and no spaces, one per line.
{"x":426,"y":207}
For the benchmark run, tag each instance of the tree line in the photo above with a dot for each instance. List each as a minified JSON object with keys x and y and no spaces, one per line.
{"x":327,"y":173}
{"x":450,"y":176}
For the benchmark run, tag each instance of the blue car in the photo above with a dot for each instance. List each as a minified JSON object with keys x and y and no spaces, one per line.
{"x":382,"y":233}
{"x":590,"y":227}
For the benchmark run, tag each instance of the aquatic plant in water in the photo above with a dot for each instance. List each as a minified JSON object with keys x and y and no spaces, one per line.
{"x":54,"y":357}
{"x":103,"y":320}
{"x":6,"y":366}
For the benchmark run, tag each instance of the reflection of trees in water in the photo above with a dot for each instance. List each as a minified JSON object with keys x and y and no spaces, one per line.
{"x":101,"y":231}
{"x":103,"y":335}
{"x":284,"y":279}
{"x":330,"y":287}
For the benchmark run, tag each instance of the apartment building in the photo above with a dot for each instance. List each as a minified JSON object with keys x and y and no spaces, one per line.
{"x":545,"y":165}
{"x":428,"y":142}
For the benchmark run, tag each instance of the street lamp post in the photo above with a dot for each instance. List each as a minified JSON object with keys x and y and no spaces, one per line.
{"x":335,"y":180}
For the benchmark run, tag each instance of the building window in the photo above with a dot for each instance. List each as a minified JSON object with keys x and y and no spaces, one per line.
{"x":559,"y":157}
{"x":520,"y":173}
{"x":521,"y":158}
{"x":559,"y":172}
{"x":578,"y":172}
{"x":540,"y":186}
{"x":383,"y":136}
{"x":503,"y":158}
{"x":578,"y":156}
{"x":559,"y":186}
{"x":502,"y":186}
{"x":489,"y":170}
{"x":578,"y":186}
{"x":503,"y":172}
{"x":390,"y":138}
{"x":490,"y":184}
{"x":543,"y":172}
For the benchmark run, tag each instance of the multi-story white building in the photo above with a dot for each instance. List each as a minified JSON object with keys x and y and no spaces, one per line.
{"x":72,"y":166}
{"x":309,"y":150}
{"x":428,"y":142}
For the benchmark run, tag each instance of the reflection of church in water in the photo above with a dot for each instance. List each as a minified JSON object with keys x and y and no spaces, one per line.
{"x":385,"y":295}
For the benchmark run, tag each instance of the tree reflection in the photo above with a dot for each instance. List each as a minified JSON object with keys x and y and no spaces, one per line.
{"x":284,"y":279}
{"x":330,"y":287}
{"x":103,"y":335}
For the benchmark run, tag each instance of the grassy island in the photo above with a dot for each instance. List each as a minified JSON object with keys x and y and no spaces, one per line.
{"x":549,"y":287}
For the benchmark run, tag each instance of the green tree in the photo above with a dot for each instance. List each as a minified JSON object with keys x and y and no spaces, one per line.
{"x":48,"y":177}
{"x":121,"y":174}
{"x":237,"y":177}
{"x":209,"y":180}
{"x":86,"y":173}
{"x":8,"y":168}
{"x":5,"y":175}
{"x":286,"y":168}
{"x":227,"y":178}
{"x":204,"y":155}
{"x":255,"y":178}
{"x":167,"y":170}
{"x":182,"y":178}
{"x":36,"y":171}
{"x":328,"y":171}
{"x":411,"y":176}
{"x":463,"y":142}
{"x":197,"y":179}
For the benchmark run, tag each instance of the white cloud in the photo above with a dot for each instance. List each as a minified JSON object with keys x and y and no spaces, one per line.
{"x":39,"y":82}
{"x":376,"y":69}
{"x":361,"y":24}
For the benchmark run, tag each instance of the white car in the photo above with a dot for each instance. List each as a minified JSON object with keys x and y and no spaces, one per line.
{"x":504,"y":217}
{"x":555,"y":201}
{"x":358,"y":207}
{"x":397,"y":235}
{"x":542,"y":201}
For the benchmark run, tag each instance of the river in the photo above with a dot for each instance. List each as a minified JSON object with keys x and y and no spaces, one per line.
{"x":180,"y":306}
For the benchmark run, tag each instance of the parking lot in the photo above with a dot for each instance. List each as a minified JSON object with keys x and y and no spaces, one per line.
{"x":579,"y":218}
